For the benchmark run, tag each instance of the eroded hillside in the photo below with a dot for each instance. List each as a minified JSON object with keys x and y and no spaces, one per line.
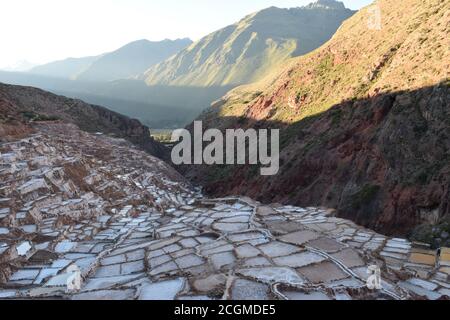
{"x":365,"y":122}
{"x":246,"y":51}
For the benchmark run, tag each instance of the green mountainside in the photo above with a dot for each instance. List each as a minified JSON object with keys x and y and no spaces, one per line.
{"x":246,"y":51}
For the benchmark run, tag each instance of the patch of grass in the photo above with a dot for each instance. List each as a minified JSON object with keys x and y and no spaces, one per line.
{"x":219,"y":173}
{"x":286,"y":138}
{"x":364,"y":197}
{"x":445,"y":82}
{"x":420,"y":128}
{"x":32,"y":116}
{"x":310,"y":146}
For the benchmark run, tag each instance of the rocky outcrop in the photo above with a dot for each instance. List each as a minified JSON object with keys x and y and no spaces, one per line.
{"x":34,"y":104}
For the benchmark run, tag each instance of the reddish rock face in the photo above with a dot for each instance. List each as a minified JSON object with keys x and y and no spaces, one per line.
{"x":383,"y":162}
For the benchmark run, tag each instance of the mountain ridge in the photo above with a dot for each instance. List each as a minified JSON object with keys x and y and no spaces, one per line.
{"x":125,"y":62}
{"x":132,"y":59}
{"x":245,"y":51}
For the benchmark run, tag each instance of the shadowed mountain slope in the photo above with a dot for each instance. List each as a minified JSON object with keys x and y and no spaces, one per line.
{"x":125,"y":62}
{"x":69,"y":68}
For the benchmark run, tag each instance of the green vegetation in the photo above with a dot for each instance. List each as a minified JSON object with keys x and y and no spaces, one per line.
{"x":338,"y":72}
{"x":302,"y":95}
{"x":32,"y":116}
{"x":365,"y":196}
{"x":368,"y":84}
{"x":162,"y":136}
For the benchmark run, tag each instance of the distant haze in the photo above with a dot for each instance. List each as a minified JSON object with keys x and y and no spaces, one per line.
{"x":48,"y":30}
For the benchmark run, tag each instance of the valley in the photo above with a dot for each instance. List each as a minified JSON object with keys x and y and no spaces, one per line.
{"x":167,"y":84}
{"x":135,"y":229}
{"x":349,"y":198}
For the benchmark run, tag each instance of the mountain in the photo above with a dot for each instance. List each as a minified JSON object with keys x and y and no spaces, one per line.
{"x":125,"y":62}
{"x":365,"y":124}
{"x":36,"y":104}
{"x":326,"y":4}
{"x":131,"y":59}
{"x":244,"y":52}
{"x":69,"y":68}
{"x":259,"y":44}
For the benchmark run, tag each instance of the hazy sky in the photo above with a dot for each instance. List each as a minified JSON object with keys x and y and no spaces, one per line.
{"x":45,"y":30}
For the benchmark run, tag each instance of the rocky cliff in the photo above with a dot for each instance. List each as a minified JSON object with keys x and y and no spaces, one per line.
{"x":365,"y":123}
